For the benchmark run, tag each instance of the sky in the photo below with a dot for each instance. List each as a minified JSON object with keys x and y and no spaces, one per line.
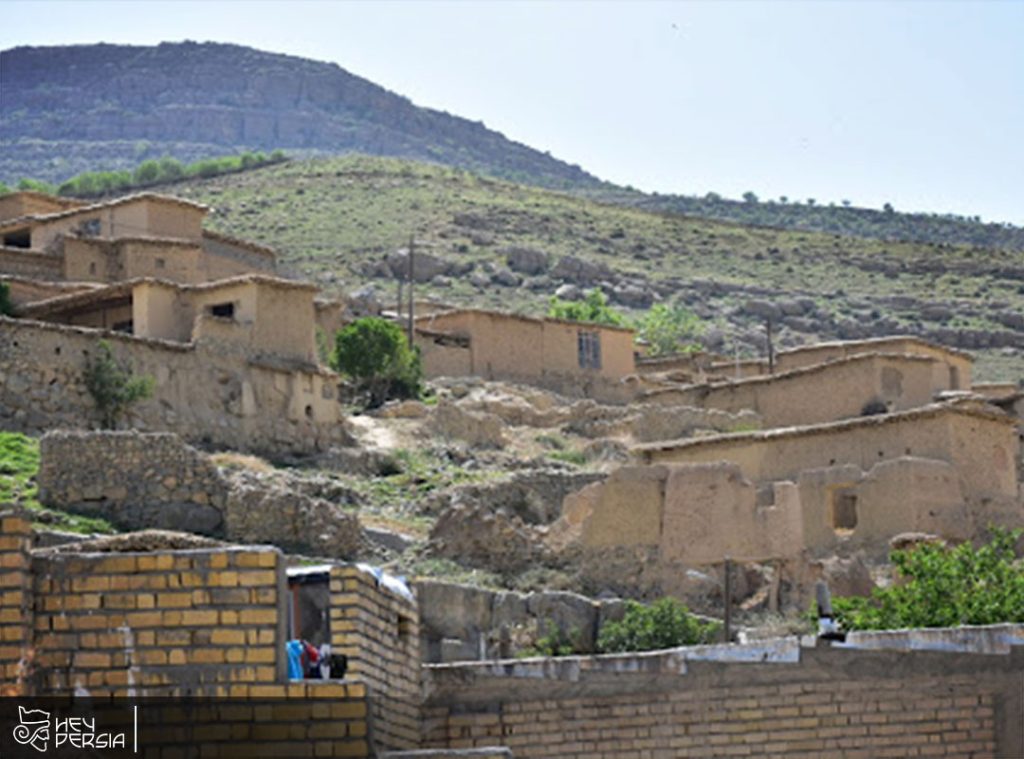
{"x":915,"y":103}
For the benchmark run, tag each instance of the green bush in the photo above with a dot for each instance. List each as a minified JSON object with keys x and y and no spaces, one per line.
{"x":374,"y":353}
{"x":6,"y":307}
{"x":554,"y":643}
{"x":594,"y":308}
{"x":667,"y":329}
{"x":113,"y":388}
{"x":944,"y":587}
{"x":666,"y":623}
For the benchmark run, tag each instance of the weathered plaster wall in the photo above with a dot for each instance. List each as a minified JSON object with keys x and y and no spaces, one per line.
{"x":24,"y":263}
{"x":981,"y":445}
{"x":823,"y":393}
{"x":209,"y":394}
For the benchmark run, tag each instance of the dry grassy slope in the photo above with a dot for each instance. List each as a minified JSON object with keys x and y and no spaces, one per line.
{"x":329,"y":217}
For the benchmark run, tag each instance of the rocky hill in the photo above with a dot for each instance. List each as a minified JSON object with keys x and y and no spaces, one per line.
{"x":71,"y":109}
{"x":496,"y":244}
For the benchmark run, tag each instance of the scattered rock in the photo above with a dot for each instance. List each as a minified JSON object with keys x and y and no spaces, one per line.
{"x":526,"y":260}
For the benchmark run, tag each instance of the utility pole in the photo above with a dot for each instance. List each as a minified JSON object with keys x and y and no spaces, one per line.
{"x":727,"y":592}
{"x":412,"y":255}
{"x":771,"y":348}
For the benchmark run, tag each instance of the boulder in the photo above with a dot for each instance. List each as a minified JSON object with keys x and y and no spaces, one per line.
{"x":526,"y":260}
{"x":478,"y":429}
{"x":578,"y":271}
{"x":425,"y":265}
{"x":505,"y":278}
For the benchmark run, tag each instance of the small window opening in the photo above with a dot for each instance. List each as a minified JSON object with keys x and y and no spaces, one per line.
{"x":92,"y":267}
{"x":22,"y":238}
{"x":161,"y":263}
{"x":404,"y":627}
{"x":588,"y":345}
{"x":89,"y":228}
{"x":954,"y":378}
{"x":125,"y":326}
{"x":844,"y":511}
{"x":223,"y":310}
{"x":309,"y":412}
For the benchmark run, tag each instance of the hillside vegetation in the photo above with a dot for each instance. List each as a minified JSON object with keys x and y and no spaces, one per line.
{"x":337,"y":220}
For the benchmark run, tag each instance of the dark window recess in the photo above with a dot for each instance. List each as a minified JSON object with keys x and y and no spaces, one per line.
{"x":844,"y":510}
{"x":223,"y":310}
{"x":588,"y":346}
{"x":92,"y":267}
{"x":22,"y":238}
{"x":125,"y":326}
{"x":89,"y":228}
{"x":161,"y":263}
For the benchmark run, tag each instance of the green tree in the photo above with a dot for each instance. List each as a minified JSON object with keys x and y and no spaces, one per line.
{"x":374,"y":353}
{"x":36,"y":185}
{"x":113,"y":388}
{"x":665,"y":329}
{"x":146,"y":172}
{"x":945,"y":587}
{"x":593,"y":308}
{"x":4,"y":189}
{"x":666,"y":623}
{"x":6,"y":307}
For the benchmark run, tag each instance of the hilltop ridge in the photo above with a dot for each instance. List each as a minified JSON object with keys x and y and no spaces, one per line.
{"x":82,"y":107}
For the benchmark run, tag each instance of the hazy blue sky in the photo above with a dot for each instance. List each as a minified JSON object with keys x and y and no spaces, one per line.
{"x":920,"y":104}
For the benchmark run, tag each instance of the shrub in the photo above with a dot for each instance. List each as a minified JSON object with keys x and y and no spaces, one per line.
{"x":666,"y":623}
{"x":374,"y":353}
{"x":667,"y":329}
{"x":594,"y":308}
{"x":6,"y":307}
{"x":113,"y":388}
{"x":944,"y":587}
{"x":554,"y":643}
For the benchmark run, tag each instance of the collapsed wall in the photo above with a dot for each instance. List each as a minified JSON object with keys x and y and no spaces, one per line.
{"x":211,"y":394}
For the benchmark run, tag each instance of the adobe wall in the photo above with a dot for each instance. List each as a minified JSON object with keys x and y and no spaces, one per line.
{"x":927,"y":693}
{"x":24,"y":263}
{"x":17,"y":204}
{"x":824,"y":393}
{"x":942,"y":376}
{"x":981,"y":446}
{"x":210,"y":394}
{"x":225,"y":258}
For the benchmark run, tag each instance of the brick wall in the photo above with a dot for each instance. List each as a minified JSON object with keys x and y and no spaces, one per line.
{"x":379,"y":633}
{"x":15,"y":603}
{"x":201,"y":622}
{"x":850,"y":703}
{"x":27,"y":264}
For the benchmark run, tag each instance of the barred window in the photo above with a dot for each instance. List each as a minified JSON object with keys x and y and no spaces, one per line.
{"x":588,"y":345}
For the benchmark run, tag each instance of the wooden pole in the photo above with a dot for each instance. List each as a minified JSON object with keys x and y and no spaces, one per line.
{"x":412,"y":253}
{"x":727,"y":631}
{"x":771,"y":348}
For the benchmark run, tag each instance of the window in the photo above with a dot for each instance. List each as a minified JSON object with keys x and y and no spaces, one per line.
{"x":92,"y":267}
{"x":223,"y":310}
{"x":954,"y":378}
{"x":844,"y":510}
{"x":161,"y":263}
{"x":21,"y":238}
{"x":89,"y":228}
{"x":588,"y":345}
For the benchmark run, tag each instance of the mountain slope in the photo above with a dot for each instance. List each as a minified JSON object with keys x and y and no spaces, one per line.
{"x":68,"y":109}
{"x":336,"y":220}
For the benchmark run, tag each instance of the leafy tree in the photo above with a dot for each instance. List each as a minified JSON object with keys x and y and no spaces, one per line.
{"x":945,"y":587}
{"x":666,"y":623}
{"x":375,"y":354}
{"x":113,"y":388}
{"x":146,"y":172}
{"x":666,"y":328}
{"x":594,"y":308}
{"x":6,"y":307}
{"x":749,"y":197}
{"x":4,"y":189}
{"x":170,"y":169}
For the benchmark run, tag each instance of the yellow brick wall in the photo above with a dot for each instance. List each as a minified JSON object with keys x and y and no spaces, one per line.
{"x":165,"y":623}
{"x":856,"y":716}
{"x":15,"y":604}
{"x":379,"y":633}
